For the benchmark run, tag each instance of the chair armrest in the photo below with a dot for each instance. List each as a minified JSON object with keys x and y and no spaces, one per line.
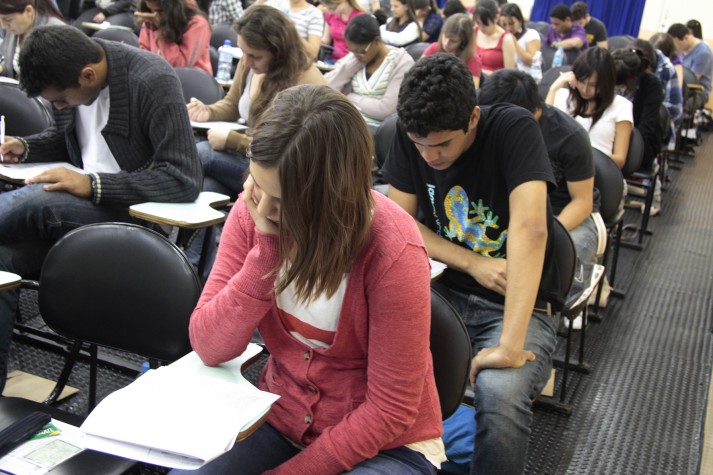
{"x":198,"y":214}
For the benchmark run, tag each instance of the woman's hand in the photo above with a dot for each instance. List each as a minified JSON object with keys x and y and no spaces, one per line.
{"x":564,"y":80}
{"x":251,"y":197}
{"x":218,"y":137}
{"x":99,"y":17}
{"x":149,"y":18}
{"x":197,"y":111}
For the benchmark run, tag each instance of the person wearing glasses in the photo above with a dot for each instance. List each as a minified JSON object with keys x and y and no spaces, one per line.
{"x":337,"y":16}
{"x":371,"y":74}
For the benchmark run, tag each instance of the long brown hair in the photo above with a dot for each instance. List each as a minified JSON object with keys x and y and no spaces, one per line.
{"x":42,"y":7}
{"x":460,"y":25}
{"x":322,"y":149}
{"x":267,"y":28}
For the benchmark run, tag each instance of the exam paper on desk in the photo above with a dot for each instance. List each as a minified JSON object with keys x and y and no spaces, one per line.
{"x":182,"y":415}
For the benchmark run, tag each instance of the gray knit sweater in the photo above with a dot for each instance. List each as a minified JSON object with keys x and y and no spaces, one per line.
{"x":148,"y":132}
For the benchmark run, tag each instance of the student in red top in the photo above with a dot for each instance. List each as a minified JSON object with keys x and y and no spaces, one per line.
{"x":494,"y":45}
{"x":178,"y":32}
{"x":338,"y":15}
{"x":336,"y":279}
{"x":457,"y":38}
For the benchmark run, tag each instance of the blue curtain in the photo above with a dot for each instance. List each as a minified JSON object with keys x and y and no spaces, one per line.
{"x":622,"y":17}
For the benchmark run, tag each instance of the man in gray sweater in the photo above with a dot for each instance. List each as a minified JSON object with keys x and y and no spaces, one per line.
{"x":120,"y":116}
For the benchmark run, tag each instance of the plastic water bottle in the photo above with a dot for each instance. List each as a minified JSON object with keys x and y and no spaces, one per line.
{"x":225,"y":62}
{"x":558,"y":60}
{"x":536,"y":67}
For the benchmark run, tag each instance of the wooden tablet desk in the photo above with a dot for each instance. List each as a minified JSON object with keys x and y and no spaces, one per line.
{"x":9,"y":281}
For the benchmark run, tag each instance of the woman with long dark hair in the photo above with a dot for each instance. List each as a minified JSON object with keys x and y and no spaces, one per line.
{"x":588,"y":94}
{"x":527,"y":39}
{"x":176,"y":31}
{"x":312,"y":258}
{"x":402,"y":28}
{"x":18,"y":18}
{"x":495,"y":46}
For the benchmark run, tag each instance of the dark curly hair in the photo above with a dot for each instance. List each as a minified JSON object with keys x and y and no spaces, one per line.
{"x":53,"y":56}
{"x":437,"y":94}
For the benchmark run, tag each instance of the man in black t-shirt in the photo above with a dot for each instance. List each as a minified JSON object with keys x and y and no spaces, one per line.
{"x":570,"y":152}
{"x":595,"y":29}
{"x":479,"y":178}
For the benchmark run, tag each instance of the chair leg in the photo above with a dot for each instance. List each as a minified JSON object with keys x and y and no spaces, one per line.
{"x":93,"y":369}
{"x":64,"y":375}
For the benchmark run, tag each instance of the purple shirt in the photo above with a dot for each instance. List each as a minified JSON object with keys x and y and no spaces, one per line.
{"x":577,"y":31}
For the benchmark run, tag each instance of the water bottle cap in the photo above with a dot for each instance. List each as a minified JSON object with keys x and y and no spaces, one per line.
{"x":227,"y":43}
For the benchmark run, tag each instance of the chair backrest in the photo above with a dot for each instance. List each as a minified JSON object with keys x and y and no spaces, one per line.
{"x":548,"y":54}
{"x":664,"y":122}
{"x":558,"y":273}
{"x":122,"y":286}
{"x":635,"y":155}
{"x":619,"y":41}
{"x":384,"y":137}
{"x":542,"y":27}
{"x":222,"y":32}
{"x":692,"y":99}
{"x":451,"y":352}
{"x":609,"y":180}
{"x":199,"y":84}
{"x":119,"y":35}
{"x":213,"y":53}
{"x":416,"y":50}
{"x":549,"y":77}
{"x":23,"y":115}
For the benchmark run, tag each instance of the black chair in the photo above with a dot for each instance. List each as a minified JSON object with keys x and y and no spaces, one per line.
{"x":632,"y":167}
{"x":542,"y":27}
{"x":121,"y":286}
{"x":609,"y":180}
{"x":693,"y":100}
{"x":416,"y":50}
{"x":548,"y":54}
{"x":384,"y":138}
{"x":222,"y":32}
{"x":23,"y":115}
{"x":619,"y":41}
{"x":549,"y":77}
{"x":199,"y":84}
{"x":213,"y":58}
{"x":451,"y":352}
{"x":119,"y":35}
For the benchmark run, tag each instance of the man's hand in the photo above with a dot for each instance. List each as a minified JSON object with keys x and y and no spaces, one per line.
{"x":490,"y":273}
{"x":218,"y":137}
{"x":63,"y":179}
{"x":11,"y":150}
{"x":498,"y":357}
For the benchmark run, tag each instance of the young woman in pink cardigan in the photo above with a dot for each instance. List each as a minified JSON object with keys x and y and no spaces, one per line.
{"x":336,"y":279}
{"x":176,"y":30}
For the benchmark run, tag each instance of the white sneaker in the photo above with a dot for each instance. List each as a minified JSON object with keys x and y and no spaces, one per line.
{"x":576,"y":323}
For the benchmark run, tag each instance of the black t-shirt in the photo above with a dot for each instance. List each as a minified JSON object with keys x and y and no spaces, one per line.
{"x":570,"y":153}
{"x":468,"y":203}
{"x":596,"y":32}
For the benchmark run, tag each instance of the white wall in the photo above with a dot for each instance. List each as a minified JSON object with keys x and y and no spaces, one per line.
{"x":660,"y":14}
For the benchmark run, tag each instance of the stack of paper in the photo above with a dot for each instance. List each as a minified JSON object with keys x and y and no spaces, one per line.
{"x":182,"y":415}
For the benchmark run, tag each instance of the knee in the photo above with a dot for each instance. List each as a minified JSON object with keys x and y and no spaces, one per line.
{"x":502,"y":390}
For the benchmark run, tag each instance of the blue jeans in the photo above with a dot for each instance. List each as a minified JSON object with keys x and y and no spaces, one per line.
{"x":31,"y":220}
{"x":223,"y":173}
{"x":586,"y":239}
{"x":266,"y":448}
{"x":503,"y":397}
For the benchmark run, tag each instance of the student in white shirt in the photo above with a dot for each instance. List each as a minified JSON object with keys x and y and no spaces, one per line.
{"x":587,"y":94}
{"x":528,"y":40}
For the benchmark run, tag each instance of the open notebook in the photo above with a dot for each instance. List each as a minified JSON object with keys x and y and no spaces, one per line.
{"x":182,"y":415}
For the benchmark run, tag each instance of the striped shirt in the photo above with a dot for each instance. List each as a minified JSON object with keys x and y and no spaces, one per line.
{"x":308,"y":21}
{"x":313,"y":323}
{"x":375,"y":85}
